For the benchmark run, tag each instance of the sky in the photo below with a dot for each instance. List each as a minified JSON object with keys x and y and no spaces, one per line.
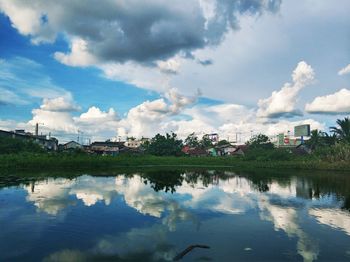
{"x":118,"y":68}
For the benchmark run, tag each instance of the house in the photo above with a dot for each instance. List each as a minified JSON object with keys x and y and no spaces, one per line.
{"x":71,"y":145}
{"x":240,"y":150}
{"x":48,"y":144}
{"x":225,"y":150}
{"x":106,"y":148}
{"x":198,"y":152}
{"x":185,"y":149}
{"x":132,"y":142}
{"x":212,"y":151}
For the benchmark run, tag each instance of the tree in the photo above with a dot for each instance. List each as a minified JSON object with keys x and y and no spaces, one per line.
{"x":223,"y":142}
{"x":167,"y":145}
{"x":205,"y":142}
{"x":320,"y":139}
{"x":260,"y":141}
{"x":9,"y":145}
{"x":342,"y":132}
{"x":192,"y":140}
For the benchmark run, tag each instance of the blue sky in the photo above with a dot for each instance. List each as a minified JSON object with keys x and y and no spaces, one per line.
{"x":131,"y":68}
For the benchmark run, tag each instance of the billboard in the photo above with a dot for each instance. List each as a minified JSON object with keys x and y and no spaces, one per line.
{"x":302,"y":130}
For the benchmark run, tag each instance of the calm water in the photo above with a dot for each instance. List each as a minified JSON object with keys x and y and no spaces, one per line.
{"x":154,"y":215}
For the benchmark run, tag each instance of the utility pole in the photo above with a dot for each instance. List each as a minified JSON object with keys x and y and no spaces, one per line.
{"x":36,"y":133}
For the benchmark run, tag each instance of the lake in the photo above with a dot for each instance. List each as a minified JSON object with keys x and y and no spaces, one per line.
{"x":154,"y":215}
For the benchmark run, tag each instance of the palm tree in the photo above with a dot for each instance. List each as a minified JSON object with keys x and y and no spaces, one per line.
{"x":320,"y":139}
{"x":343,"y":131}
{"x":315,"y":139}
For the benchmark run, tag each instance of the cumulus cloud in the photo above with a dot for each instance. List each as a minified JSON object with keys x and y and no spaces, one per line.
{"x":78,"y":56}
{"x":60,"y":104}
{"x":57,"y":116}
{"x":282,"y":103}
{"x":337,"y":103}
{"x":54,"y":121}
{"x":344,"y":71}
{"x":170,"y":66}
{"x":94,"y":113}
{"x":148,"y":117}
{"x":171,"y":113}
{"x":129,"y":30}
{"x":233,"y":122}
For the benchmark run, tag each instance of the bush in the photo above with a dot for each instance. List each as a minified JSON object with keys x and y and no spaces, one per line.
{"x":10,"y":145}
{"x":338,"y":152}
{"x":260,"y":154}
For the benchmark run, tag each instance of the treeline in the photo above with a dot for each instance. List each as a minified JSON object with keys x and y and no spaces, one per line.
{"x":171,"y":145}
{"x":331,"y":147}
{"x":10,"y":145}
{"x":334,"y":146}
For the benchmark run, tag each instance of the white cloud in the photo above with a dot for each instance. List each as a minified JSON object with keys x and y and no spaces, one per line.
{"x":129,"y":30}
{"x":9,"y":97}
{"x":149,"y":117}
{"x":333,"y":218}
{"x":95,"y":113}
{"x":78,"y":56}
{"x":61,"y":104}
{"x":171,"y":66}
{"x":337,"y":103}
{"x":138,"y":75}
{"x":50,"y":196}
{"x":174,"y":112}
{"x":283,"y":102}
{"x":54,"y":121}
{"x":287,"y":219}
{"x":345,"y":70}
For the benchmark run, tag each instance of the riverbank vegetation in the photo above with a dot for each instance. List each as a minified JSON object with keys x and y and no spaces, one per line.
{"x":326,"y":152}
{"x":92,"y":162}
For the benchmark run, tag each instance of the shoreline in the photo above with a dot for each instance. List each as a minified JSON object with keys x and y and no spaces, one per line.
{"x":83,"y":162}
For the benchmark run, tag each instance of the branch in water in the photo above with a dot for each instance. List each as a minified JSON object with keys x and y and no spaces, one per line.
{"x":187,"y":250}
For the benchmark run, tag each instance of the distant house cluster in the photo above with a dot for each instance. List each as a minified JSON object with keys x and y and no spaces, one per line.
{"x":216,"y":150}
{"x":107,"y":148}
{"x":111,"y":148}
{"x":135,"y":146}
{"x":47,"y":142}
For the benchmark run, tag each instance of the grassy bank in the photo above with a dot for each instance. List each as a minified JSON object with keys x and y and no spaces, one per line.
{"x":44,"y":162}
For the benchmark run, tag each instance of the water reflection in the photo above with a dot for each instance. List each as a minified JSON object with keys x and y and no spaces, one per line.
{"x":154,"y":215}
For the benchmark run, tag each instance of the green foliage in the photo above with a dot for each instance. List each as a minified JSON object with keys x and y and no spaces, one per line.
{"x":342,"y":132}
{"x":10,"y":145}
{"x":272,"y":154}
{"x":167,"y":145}
{"x":320,"y":139}
{"x":223,"y":142}
{"x":205,"y":142}
{"x":62,"y":162}
{"x":338,"y":152}
{"x":260,"y":141}
{"x":192,"y":140}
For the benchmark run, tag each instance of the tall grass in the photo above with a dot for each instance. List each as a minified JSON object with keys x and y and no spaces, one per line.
{"x":71,"y":162}
{"x":337,"y":153}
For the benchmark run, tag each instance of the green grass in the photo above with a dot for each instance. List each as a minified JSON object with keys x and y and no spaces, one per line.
{"x":52,"y":162}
